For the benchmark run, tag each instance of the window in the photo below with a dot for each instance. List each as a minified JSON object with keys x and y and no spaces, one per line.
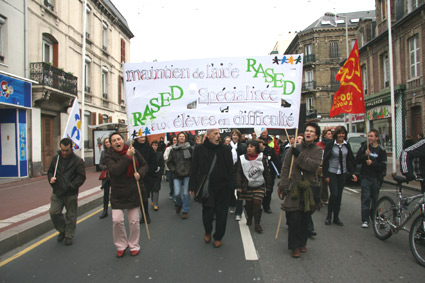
{"x":333,"y":49}
{"x":364,"y":79}
{"x":47,"y":51}
{"x":50,"y":4}
{"x":308,"y":50}
{"x":120,"y":90}
{"x":361,"y":43}
{"x":386,"y":70}
{"x":414,"y":61}
{"x":87,"y":74}
{"x":383,"y":9}
{"x":310,"y":103}
{"x":87,"y":28}
{"x":309,"y":80}
{"x":122,"y":50}
{"x":105,"y":36}
{"x":105,"y":82}
{"x":411,"y":5}
{"x":2,"y":38}
{"x":334,"y":72}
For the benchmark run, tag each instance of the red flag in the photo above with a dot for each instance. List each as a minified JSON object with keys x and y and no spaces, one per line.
{"x":349,"y":98}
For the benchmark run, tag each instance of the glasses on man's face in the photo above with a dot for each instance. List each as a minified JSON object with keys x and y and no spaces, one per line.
{"x":310,"y":131}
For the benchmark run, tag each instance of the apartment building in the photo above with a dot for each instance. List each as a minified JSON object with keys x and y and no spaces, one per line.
{"x":326,"y":44}
{"x":408,"y":41}
{"x":56,"y":33}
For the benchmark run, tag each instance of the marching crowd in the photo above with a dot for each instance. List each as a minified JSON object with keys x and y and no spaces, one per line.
{"x":232,"y":174}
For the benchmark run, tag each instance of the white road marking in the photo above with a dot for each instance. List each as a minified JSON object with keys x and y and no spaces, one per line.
{"x":39,"y":210}
{"x":248,"y":243}
{"x":352,"y":190}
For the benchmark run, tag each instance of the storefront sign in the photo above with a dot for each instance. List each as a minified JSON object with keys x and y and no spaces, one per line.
{"x":355,"y":118}
{"x":380,"y":112}
{"x":15,"y":92}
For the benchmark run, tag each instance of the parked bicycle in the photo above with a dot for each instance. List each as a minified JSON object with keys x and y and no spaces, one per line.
{"x":391,"y":216}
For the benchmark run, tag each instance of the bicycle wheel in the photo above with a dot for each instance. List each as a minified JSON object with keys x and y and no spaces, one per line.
{"x":417,"y":239}
{"x":384,"y":218}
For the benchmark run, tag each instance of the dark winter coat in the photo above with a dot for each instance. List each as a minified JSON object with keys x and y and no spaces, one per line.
{"x":221,"y":178}
{"x":70,"y":174}
{"x":124,"y":191}
{"x":149,"y":156}
{"x":379,"y":164}
{"x":304,"y":168}
{"x":177,"y":163}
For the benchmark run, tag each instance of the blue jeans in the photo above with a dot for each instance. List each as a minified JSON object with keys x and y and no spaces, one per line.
{"x":370,"y":194}
{"x":178,"y":184}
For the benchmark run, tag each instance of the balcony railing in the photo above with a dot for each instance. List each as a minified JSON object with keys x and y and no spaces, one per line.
{"x":309,"y":85}
{"x":310,"y":58}
{"x":48,"y":75}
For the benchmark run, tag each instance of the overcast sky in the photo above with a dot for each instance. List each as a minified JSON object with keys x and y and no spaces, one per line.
{"x":167,"y":30}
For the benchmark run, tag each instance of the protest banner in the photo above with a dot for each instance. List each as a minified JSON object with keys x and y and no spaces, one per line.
{"x":243,"y":92}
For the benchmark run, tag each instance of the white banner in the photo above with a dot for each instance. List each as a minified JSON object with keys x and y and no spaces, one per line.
{"x":73,"y":126}
{"x":187,"y":95}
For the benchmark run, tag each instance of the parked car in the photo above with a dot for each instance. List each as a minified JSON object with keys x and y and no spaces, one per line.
{"x":356,"y":140}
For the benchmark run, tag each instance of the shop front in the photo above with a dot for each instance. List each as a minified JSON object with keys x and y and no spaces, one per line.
{"x":378,"y":114}
{"x":15,"y":101}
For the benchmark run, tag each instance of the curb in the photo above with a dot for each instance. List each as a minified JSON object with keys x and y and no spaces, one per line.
{"x":28,"y":231}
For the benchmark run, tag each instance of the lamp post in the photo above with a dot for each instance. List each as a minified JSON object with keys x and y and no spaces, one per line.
{"x":346,"y":47}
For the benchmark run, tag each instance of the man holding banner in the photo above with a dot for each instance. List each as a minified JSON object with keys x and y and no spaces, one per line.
{"x":66,"y":174}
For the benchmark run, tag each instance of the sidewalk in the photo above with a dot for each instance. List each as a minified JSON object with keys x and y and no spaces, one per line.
{"x":24,"y":207}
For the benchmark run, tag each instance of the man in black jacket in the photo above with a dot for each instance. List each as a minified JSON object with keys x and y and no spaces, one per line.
{"x":148,"y":154}
{"x":374,"y":163}
{"x":220,"y":183}
{"x":66,"y":174}
{"x":416,"y":151}
{"x":274,"y":166}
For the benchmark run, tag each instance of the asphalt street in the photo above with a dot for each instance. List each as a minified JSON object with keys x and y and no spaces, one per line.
{"x":176,"y":251}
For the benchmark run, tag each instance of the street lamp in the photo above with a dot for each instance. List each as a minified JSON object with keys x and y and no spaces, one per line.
{"x":346,"y":47}
{"x":336,"y":24}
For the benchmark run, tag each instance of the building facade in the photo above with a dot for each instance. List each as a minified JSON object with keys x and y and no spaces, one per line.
{"x":325,"y":46}
{"x":408,"y":41}
{"x":15,"y":92}
{"x":56,"y":33}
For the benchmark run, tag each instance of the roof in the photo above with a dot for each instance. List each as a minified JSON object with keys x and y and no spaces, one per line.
{"x":329,"y":21}
{"x":120,"y":17}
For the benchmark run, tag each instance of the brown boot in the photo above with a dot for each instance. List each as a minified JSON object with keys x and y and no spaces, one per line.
{"x":257,"y":216}
{"x":248,"y":210}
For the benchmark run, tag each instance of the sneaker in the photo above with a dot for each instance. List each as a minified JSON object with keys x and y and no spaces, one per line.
{"x":185,"y":215}
{"x":238,"y":218}
{"x":365,"y":225}
{"x":155,"y":207}
{"x":232,"y":210}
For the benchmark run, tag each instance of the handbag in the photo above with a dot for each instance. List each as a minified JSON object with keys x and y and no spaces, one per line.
{"x":103,"y":174}
{"x":203,"y":191}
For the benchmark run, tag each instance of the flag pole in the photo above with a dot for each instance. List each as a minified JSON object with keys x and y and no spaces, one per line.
{"x":390,"y":57}
{"x":140,"y":194}
{"x":290,"y":173}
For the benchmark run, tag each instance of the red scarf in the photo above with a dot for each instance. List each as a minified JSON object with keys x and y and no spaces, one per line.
{"x":252,"y":157}
{"x":130,"y":169}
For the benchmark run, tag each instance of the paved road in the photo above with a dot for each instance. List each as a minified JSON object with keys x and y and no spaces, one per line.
{"x":177,"y":253}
